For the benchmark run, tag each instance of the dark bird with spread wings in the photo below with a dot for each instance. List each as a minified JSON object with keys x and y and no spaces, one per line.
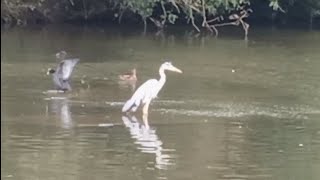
{"x":61,"y":75}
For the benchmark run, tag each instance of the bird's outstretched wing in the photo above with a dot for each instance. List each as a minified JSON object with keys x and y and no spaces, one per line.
{"x":60,"y":84}
{"x":66,"y":68}
{"x":57,"y":81}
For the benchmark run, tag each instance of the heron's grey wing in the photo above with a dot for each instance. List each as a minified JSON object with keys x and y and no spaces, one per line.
{"x":67,"y":68}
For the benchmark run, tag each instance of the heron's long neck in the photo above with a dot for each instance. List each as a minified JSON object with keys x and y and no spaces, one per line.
{"x":162,"y":79}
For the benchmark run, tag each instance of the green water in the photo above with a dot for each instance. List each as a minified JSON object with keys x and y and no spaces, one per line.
{"x":240,"y":110}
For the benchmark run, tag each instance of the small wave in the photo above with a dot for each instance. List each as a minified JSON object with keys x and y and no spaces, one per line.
{"x":96,"y":125}
{"x":112,"y":103}
{"x":233,"y":110}
{"x":51,"y":98}
{"x":53,"y":92}
{"x":170,"y":102}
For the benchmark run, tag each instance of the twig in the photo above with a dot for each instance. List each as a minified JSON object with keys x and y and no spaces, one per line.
{"x":192,"y":20}
{"x":122,"y":10}
{"x":164,"y":13}
{"x":175,"y":5}
{"x":214,"y":19}
{"x":215,"y":29}
{"x":204,"y":16}
{"x":145,"y":25}
{"x":85,"y":10}
{"x":225,"y":24}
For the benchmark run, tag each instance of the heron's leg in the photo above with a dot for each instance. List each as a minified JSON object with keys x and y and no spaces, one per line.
{"x":145,"y":120}
{"x":145,"y":108}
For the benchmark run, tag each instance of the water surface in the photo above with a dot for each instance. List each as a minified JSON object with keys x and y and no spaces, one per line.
{"x":241,"y":109}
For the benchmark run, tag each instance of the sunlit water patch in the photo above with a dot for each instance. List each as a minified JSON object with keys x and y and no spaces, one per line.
{"x":239,"y":110}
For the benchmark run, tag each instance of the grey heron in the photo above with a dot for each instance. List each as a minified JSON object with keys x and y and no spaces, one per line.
{"x":61,"y":75}
{"x":149,"y":90}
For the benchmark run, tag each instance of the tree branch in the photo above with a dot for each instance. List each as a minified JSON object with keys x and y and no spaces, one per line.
{"x":192,"y":19}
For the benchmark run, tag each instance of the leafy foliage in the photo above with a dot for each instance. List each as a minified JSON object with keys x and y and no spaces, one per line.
{"x":160,"y":12}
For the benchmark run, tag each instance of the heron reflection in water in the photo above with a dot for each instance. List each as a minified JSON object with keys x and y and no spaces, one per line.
{"x":148,"y":141}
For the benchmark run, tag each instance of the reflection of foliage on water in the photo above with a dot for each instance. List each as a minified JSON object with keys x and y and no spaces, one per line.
{"x":199,"y":13}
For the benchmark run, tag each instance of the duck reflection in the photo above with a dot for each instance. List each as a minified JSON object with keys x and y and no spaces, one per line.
{"x":60,"y":107}
{"x":129,"y":79}
{"x":148,"y":141}
{"x":128,"y":84}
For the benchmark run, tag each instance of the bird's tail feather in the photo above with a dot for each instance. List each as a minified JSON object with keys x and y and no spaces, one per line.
{"x":128,"y":105}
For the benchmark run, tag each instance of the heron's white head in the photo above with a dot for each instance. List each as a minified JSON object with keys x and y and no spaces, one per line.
{"x":168,"y":66}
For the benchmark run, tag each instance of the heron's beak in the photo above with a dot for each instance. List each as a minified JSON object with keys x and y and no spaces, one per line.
{"x":176,"y":69}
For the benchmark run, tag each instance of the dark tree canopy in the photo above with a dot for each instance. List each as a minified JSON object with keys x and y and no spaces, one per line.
{"x":201,"y":14}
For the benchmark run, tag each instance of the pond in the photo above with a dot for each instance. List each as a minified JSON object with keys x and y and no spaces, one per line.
{"x":242,"y":109}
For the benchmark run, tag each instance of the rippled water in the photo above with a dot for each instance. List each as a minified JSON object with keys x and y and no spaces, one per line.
{"x":241,"y":109}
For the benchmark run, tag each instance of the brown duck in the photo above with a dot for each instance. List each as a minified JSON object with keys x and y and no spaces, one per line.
{"x":130,"y":76}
